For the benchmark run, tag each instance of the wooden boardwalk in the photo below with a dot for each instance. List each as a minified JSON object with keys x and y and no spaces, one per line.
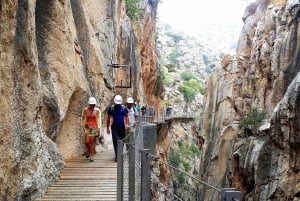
{"x":84,"y":180}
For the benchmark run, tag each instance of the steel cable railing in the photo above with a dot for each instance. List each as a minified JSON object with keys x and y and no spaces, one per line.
{"x":136,"y":161}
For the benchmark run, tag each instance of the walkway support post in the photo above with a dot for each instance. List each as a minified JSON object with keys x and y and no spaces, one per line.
{"x":120,"y":171}
{"x":149,"y":137}
{"x":230,"y":194}
{"x":131,"y":171}
{"x":145,"y":175}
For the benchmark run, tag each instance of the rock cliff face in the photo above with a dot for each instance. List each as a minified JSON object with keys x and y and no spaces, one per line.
{"x":263,"y":74}
{"x":54,"y":55}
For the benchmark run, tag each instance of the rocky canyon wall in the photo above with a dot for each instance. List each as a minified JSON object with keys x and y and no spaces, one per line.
{"x":263,"y":74}
{"x":54,"y":55}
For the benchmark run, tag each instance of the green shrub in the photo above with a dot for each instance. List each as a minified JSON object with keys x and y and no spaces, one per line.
{"x":188,"y":92}
{"x":211,"y":66}
{"x":176,"y":37}
{"x":252,"y":120}
{"x":164,"y":78}
{"x":180,"y":143}
{"x":187,"y":166}
{"x":208,"y":70}
{"x":159,"y":86}
{"x":187,"y":76}
{"x":190,"y":88}
{"x":181,"y":178}
{"x":181,"y":156}
{"x":171,"y":68}
{"x":195,"y":150}
{"x":175,"y":159}
{"x":174,"y":56}
{"x":168,"y":103}
{"x":205,"y":59}
{"x":196,"y":85}
{"x":133,"y":9}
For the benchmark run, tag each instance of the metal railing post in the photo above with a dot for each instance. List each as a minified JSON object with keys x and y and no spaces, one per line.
{"x":149,"y":137}
{"x":131,"y":171}
{"x":120,"y":171}
{"x":145,"y":176}
{"x":230,"y":194}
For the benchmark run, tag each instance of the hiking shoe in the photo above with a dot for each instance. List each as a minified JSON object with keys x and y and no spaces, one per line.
{"x":87,"y":156}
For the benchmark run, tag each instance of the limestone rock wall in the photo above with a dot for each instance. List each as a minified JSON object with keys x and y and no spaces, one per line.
{"x":53,"y":56}
{"x":264,"y":73}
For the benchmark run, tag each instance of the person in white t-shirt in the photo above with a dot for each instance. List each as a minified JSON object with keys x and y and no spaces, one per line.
{"x":131,"y":119}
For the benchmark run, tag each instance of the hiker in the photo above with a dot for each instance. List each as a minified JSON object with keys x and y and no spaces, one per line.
{"x":91,"y":124}
{"x":136,"y":108}
{"x":117,"y":119}
{"x":168,"y":111}
{"x":132,"y":113}
{"x":144,"y":110}
{"x":151,"y":113}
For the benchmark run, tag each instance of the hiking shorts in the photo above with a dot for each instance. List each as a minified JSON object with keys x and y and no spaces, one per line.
{"x":92,"y":132}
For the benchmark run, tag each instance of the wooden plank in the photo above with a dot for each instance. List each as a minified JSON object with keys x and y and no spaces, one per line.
{"x":82,"y":192}
{"x":80,"y":188}
{"x":76,"y":199}
{"x":82,"y":180}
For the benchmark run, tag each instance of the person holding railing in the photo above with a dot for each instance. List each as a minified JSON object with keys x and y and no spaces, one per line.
{"x":117,"y":119}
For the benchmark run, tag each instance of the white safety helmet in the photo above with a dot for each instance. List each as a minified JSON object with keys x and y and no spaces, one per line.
{"x":130,"y":100}
{"x":92,"y":101}
{"x":118,"y":99}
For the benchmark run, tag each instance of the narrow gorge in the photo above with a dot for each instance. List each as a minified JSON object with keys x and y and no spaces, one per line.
{"x":55,"y":54}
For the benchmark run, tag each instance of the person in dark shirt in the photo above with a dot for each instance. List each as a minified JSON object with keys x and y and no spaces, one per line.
{"x":151,"y":113}
{"x":144,"y":110}
{"x":117,"y":119}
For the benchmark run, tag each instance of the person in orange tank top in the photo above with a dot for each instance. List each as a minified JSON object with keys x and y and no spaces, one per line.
{"x":91,"y":124}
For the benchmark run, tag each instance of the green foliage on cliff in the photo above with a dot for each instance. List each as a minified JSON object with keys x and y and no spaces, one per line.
{"x":174,"y":55}
{"x":190,"y":88}
{"x":188,"y":92}
{"x":187,"y":76}
{"x":176,"y":37}
{"x":252,"y":120}
{"x":171,"y":68}
{"x":181,"y":156}
{"x":133,"y":9}
{"x":175,"y":158}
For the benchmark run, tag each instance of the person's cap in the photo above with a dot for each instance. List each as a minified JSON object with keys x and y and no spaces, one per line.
{"x":118,"y":99}
{"x":130,"y":100}
{"x":92,"y":101}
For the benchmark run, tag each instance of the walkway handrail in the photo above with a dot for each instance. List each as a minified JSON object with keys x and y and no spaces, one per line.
{"x":164,"y":114}
{"x":200,"y":181}
{"x":136,"y":162}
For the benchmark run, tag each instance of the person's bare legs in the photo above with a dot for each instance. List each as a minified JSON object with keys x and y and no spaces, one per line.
{"x":92,"y":145}
{"x":87,"y":145}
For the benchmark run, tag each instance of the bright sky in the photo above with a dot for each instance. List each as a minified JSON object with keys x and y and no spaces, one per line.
{"x":191,"y":16}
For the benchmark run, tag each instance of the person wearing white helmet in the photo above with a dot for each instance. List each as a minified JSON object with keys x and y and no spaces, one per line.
{"x":132,"y":113}
{"x":117,"y":120}
{"x":91,"y":124}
